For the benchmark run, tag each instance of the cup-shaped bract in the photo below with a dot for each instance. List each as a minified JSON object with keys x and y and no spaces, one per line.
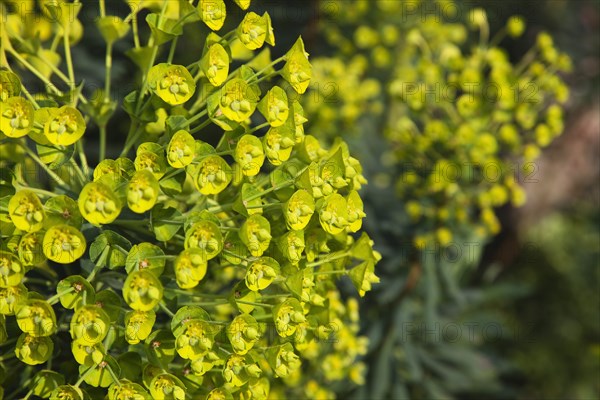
{"x":10,"y":85}
{"x":98,"y":203}
{"x":34,"y":350}
{"x":206,"y":236}
{"x":181,"y":149}
{"x":283,"y":360}
{"x":255,"y":30}
{"x":297,"y":70}
{"x":36,"y":318}
{"x":238,"y":100}
{"x":249,"y":154}
{"x":63,"y":244}
{"x":333,"y":214}
{"x":196,"y":339}
{"x":16,"y":117}
{"x":89,"y":325}
{"x":12,"y":270}
{"x":287,"y":316}
{"x":142,"y":290}
{"x":26,"y":211}
{"x":126,"y":390}
{"x":212,"y":13}
{"x":255,"y":233}
{"x":215,"y":64}
{"x":138,"y":325}
{"x":11,"y":296}
{"x":299,"y":209}
{"x":64,"y":126}
{"x":190,"y":267}
{"x":261,"y":273}
{"x":243,"y":332}
{"x":142,"y":191}
{"x":167,"y":387}
{"x":274,"y":106}
{"x":213,"y":175}
{"x":172,"y":83}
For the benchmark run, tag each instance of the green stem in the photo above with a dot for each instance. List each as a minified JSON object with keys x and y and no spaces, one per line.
{"x":164,"y":307}
{"x":327,"y":259}
{"x":85,"y":374}
{"x":99,"y":264}
{"x":54,"y":299}
{"x":251,"y":303}
{"x":35,"y":158}
{"x":69,"y":60}
{"x":172,"y":50}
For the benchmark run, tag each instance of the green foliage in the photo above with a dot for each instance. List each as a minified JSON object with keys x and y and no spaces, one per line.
{"x":188,"y":269}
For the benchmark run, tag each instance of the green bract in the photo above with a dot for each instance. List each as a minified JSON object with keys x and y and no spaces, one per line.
{"x":36,"y":318}
{"x":63,"y":244}
{"x":261,"y":273}
{"x":16,"y":117}
{"x":89,"y":325}
{"x":255,"y":233}
{"x":215,"y":64}
{"x":180,"y":151}
{"x":64,"y":126}
{"x":249,"y":154}
{"x":98,"y":203}
{"x":142,"y":191}
{"x":26,"y":211}
{"x":172,"y":83}
{"x":142,"y":290}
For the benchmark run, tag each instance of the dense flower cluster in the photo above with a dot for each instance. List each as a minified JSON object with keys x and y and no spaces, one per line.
{"x":192,"y":269}
{"x":463,"y":122}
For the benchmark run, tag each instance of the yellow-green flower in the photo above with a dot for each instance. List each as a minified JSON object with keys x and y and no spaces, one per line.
{"x":238,"y":100}
{"x":64,"y":126}
{"x":355,"y":211}
{"x":138,"y":325}
{"x":142,"y":290}
{"x":167,"y":387}
{"x":89,"y":325}
{"x":243,"y":332}
{"x":190,"y":267}
{"x":220,"y":393}
{"x":278,"y":144}
{"x":254,"y":30}
{"x":261,"y":273}
{"x":213,"y":175}
{"x":87,"y":354}
{"x":297,"y":70}
{"x":205,"y":363}
{"x":299,"y":209}
{"x":249,"y":154}
{"x":98,"y":203}
{"x":172,"y":83}
{"x":180,"y":151}
{"x":16,"y":117}
{"x":36,"y":318}
{"x":126,"y":390}
{"x":11,"y":296}
{"x":215,"y":64}
{"x":212,"y":13}
{"x":274,"y":106}
{"x":205,"y":236}
{"x":63,"y":244}
{"x":142,"y":191}
{"x":12,"y":271}
{"x":333,"y":214}
{"x":151,"y":161}
{"x":34,"y":350}
{"x":10,"y":85}
{"x":67,"y":392}
{"x":196,"y":340}
{"x":62,"y":210}
{"x":240,"y":369}
{"x":287,"y":316}
{"x":283,"y":360}
{"x":255,"y":233}
{"x":292,"y":245}
{"x":26,"y":211}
